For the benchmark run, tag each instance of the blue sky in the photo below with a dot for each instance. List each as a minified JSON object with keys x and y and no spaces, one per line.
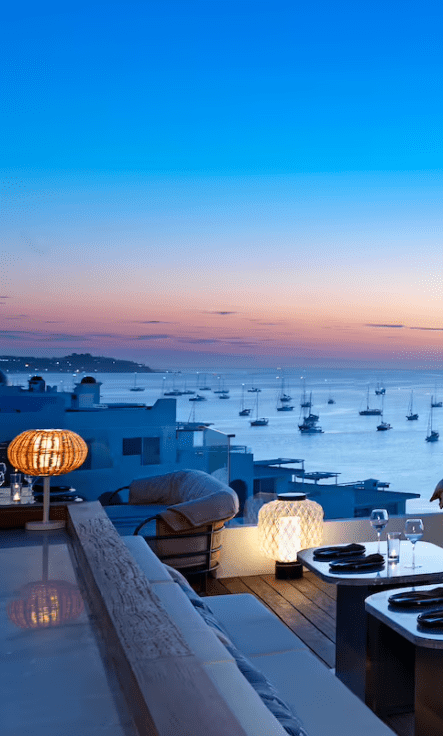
{"x":277,"y":160}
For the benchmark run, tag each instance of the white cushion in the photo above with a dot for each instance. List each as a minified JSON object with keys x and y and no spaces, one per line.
{"x":251,"y":627}
{"x":243,"y":701}
{"x":320,"y":699}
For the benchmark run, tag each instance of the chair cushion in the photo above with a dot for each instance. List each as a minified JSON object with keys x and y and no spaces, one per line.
{"x":268,"y":694}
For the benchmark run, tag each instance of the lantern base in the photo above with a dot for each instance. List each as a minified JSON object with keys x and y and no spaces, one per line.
{"x":288,"y":570}
{"x":44,"y":526}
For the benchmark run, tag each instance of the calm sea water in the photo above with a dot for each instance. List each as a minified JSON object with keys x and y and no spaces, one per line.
{"x":350,"y":445}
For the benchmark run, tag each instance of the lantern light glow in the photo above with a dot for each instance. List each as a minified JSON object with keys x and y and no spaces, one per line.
{"x":286,"y":526}
{"x":46,"y":452}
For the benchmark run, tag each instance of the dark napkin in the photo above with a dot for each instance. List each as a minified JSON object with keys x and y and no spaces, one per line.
{"x":433,"y":620}
{"x":333,"y":553}
{"x":417,"y":598}
{"x":368,"y":563}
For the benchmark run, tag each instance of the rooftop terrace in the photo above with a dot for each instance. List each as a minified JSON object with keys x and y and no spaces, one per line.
{"x":47,"y":671}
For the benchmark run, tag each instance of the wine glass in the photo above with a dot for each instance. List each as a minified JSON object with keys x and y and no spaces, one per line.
{"x":30,"y":480}
{"x":414,"y":530}
{"x":379,"y":518}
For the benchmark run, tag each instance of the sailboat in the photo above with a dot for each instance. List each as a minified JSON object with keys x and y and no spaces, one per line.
{"x":369,"y":412}
{"x":309,"y":424}
{"x":254,"y":389}
{"x":205,"y":386}
{"x":244,"y":412}
{"x":262,"y":422}
{"x":304,"y":402}
{"x":434,"y":402}
{"x":284,"y":407}
{"x":383,"y":426}
{"x":380,"y":389}
{"x":187,"y":390}
{"x":410,"y":416}
{"x":174,"y":391}
{"x":192,"y":424}
{"x":224,"y":392}
{"x":432,"y":435}
{"x":135,"y":387}
{"x":284,"y":399}
{"x":219,"y":390}
{"x":331,"y":400}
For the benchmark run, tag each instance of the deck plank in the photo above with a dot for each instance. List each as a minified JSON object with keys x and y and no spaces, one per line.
{"x":306,"y":607}
{"x":317,"y":596}
{"x":328,"y":588}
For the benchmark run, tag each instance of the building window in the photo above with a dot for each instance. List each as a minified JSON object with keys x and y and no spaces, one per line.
{"x":151,"y":451}
{"x":132,"y":446}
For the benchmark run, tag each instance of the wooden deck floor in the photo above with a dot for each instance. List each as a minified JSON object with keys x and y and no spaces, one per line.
{"x":307,"y":606}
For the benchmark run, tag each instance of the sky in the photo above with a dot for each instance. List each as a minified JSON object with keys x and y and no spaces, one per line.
{"x":216,"y":183}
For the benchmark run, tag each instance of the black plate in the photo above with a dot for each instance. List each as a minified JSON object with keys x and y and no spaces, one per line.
{"x":334,"y":553}
{"x":414,"y":599}
{"x":432,"y":620}
{"x":371,"y":563}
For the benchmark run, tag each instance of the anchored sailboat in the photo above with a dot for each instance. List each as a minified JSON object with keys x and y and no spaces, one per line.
{"x":432,"y":435}
{"x":309,"y":424}
{"x":284,"y":399}
{"x":135,"y":387}
{"x":383,"y":426}
{"x":254,"y":389}
{"x":411,"y":415}
{"x":305,"y":403}
{"x":369,"y":412}
{"x":244,"y":412}
{"x":262,"y":422}
{"x":434,"y":401}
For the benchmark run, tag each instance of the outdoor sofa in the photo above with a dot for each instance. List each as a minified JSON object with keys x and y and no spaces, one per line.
{"x":272,"y":683}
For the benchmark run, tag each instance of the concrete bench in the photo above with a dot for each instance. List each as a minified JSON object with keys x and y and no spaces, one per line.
{"x":321,"y":701}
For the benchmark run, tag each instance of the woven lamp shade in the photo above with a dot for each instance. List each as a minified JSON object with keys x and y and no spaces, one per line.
{"x":286,"y":526}
{"x":47,"y":452}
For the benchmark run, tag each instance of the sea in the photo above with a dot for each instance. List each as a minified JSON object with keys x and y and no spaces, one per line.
{"x":349,"y":445}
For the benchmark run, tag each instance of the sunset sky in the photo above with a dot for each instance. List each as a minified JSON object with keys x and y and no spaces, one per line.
{"x":223,"y":182}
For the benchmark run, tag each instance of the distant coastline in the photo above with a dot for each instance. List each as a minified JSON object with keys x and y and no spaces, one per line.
{"x":77,"y":362}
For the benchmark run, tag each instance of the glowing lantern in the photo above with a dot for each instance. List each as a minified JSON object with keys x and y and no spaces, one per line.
{"x":287,"y":525}
{"x":47,"y":452}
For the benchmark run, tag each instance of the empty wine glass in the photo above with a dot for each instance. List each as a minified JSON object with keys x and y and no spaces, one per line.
{"x":379,"y":518}
{"x":30,"y":480}
{"x":414,"y":530}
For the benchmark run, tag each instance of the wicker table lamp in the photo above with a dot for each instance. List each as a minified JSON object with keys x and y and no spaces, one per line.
{"x":286,"y":526}
{"x":47,"y":452}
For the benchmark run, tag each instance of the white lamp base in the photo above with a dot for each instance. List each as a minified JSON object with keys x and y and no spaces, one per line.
{"x":44,"y":526}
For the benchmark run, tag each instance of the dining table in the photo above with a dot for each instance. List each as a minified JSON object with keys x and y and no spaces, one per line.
{"x":405,"y":656}
{"x":354,"y":587}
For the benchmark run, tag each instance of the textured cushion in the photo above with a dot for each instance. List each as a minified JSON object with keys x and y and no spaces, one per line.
{"x":256,"y":679}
